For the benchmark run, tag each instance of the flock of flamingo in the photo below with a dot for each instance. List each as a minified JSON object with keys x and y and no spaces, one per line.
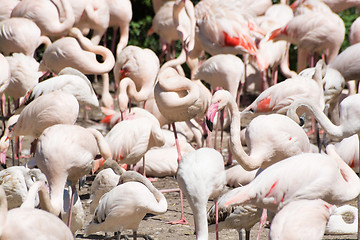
{"x":159,"y":121}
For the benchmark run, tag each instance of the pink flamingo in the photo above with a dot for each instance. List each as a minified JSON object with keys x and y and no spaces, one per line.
{"x":313,"y":32}
{"x":82,"y":145}
{"x":126,"y":205}
{"x":40,"y":223}
{"x":201,"y":175}
{"x":265,"y":149}
{"x":301,"y":219}
{"x":135,"y":71}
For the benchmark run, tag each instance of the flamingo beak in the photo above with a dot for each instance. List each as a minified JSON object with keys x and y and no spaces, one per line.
{"x":210,"y":115}
{"x":275,"y":33}
{"x":98,"y":163}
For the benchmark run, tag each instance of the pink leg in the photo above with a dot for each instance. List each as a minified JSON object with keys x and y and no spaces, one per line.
{"x":73,"y":189}
{"x":217,"y":219}
{"x":262,"y":222}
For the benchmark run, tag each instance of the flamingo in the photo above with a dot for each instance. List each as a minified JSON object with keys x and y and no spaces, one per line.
{"x":7,"y":8}
{"x":337,"y":225}
{"x":270,"y":138}
{"x":126,"y":205}
{"x":239,"y":218}
{"x":349,"y":113}
{"x":47,"y":15}
{"x":308,"y":220}
{"x":237,"y":176}
{"x":77,"y":151}
{"x":16,"y":181}
{"x":313,"y":32}
{"x":135,"y":71}
{"x":45,"y":111}
{"x":327,"y":178}
{"x":141,"y":134}
{"x":354,"y":34}
{"x":40,"y":223}
{"x":20,"y":35}
{"x":199,"y":183}
{"x":4,"y":144}
{"x":104,"y":181}
{"x":348,"y":150}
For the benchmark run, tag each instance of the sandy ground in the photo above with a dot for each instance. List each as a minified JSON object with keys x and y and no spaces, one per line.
{"x":156,"y":226}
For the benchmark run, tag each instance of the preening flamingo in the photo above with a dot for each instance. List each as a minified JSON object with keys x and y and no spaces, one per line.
{"x":60,"y":165}
{"x":20,"y":35}
{"x":271,"y":138}
{"x":126,"y":205}
{"x":7,"y":7}
{"x":201,"y":175}
{"x":105,"y":180}
{"x":135,"y":71}
{"x":337,"y":225}
{"x":39,"y":223}
{"x":78,"y":52}
{"x":301,"y":219}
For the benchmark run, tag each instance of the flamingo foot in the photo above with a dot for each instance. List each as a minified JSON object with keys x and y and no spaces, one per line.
{"x":182,"y":221}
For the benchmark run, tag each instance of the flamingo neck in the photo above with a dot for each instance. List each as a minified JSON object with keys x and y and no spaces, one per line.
{"x":247,"y":162}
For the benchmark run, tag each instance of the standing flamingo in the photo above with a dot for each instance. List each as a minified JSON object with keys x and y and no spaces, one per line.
{"x":327,"y":178}
{"x":313,"y":32}
{"x":76,"y":147}
{"x":141,"y":134}
{"x":271,"y":138}
{"x":135,"y":71}
{"x":126,"y":205}
{"x":201,"y":175}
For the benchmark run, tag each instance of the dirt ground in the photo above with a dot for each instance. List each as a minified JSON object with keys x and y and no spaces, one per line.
{"x":156,"y":226}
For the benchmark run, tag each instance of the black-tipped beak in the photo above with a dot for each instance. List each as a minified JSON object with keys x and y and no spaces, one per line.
{"x":209,"y":124}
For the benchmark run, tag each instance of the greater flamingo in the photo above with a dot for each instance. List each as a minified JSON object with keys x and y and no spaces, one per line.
{"x":39,"y":223}
{"x":47,"y":15}
{"x":135,"y":71}
{"x":313,"y":32}
{"x":301,"y":219}
{"x":336,"y":224}
{"x":327,"y":178}
{"x":201,"y":175}
{"x":16,"y":181}
{"x":77,"y":151}
{"x":141,"y":134}
{"x":20,"y":35}
{"x":267,"y":145}
{"x":126,"y":205}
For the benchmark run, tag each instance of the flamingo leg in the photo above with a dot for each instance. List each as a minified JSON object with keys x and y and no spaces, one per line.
{"x":358,"y":202}
{"x":262,"y":222}
{"x":217,"y":219}
{"x":73,"y":189}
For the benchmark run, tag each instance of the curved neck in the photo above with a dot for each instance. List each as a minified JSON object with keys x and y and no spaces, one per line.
{"x":127,"y":88}
{"x":174,"y":62}
{"x":3,"y":209}
{"x":246,"y":161}
{"x":66,"y":12}
{"x":324,"y":121}
{"x":103,"y":146}
{"x":201,"y":224}
{"x":109,"y":163}
{"x":87,"y":45}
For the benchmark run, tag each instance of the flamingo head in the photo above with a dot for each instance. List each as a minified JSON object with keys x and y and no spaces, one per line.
{"x":275,"y":34}
{"x":218,"y":102}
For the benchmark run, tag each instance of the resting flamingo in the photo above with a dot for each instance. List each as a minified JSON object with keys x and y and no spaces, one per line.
{"x":82,"y":145}
{"x":301,"y":219}
{"x":126,"y":205}
{"x":268,"y":145}
{"x":201,"y":175}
